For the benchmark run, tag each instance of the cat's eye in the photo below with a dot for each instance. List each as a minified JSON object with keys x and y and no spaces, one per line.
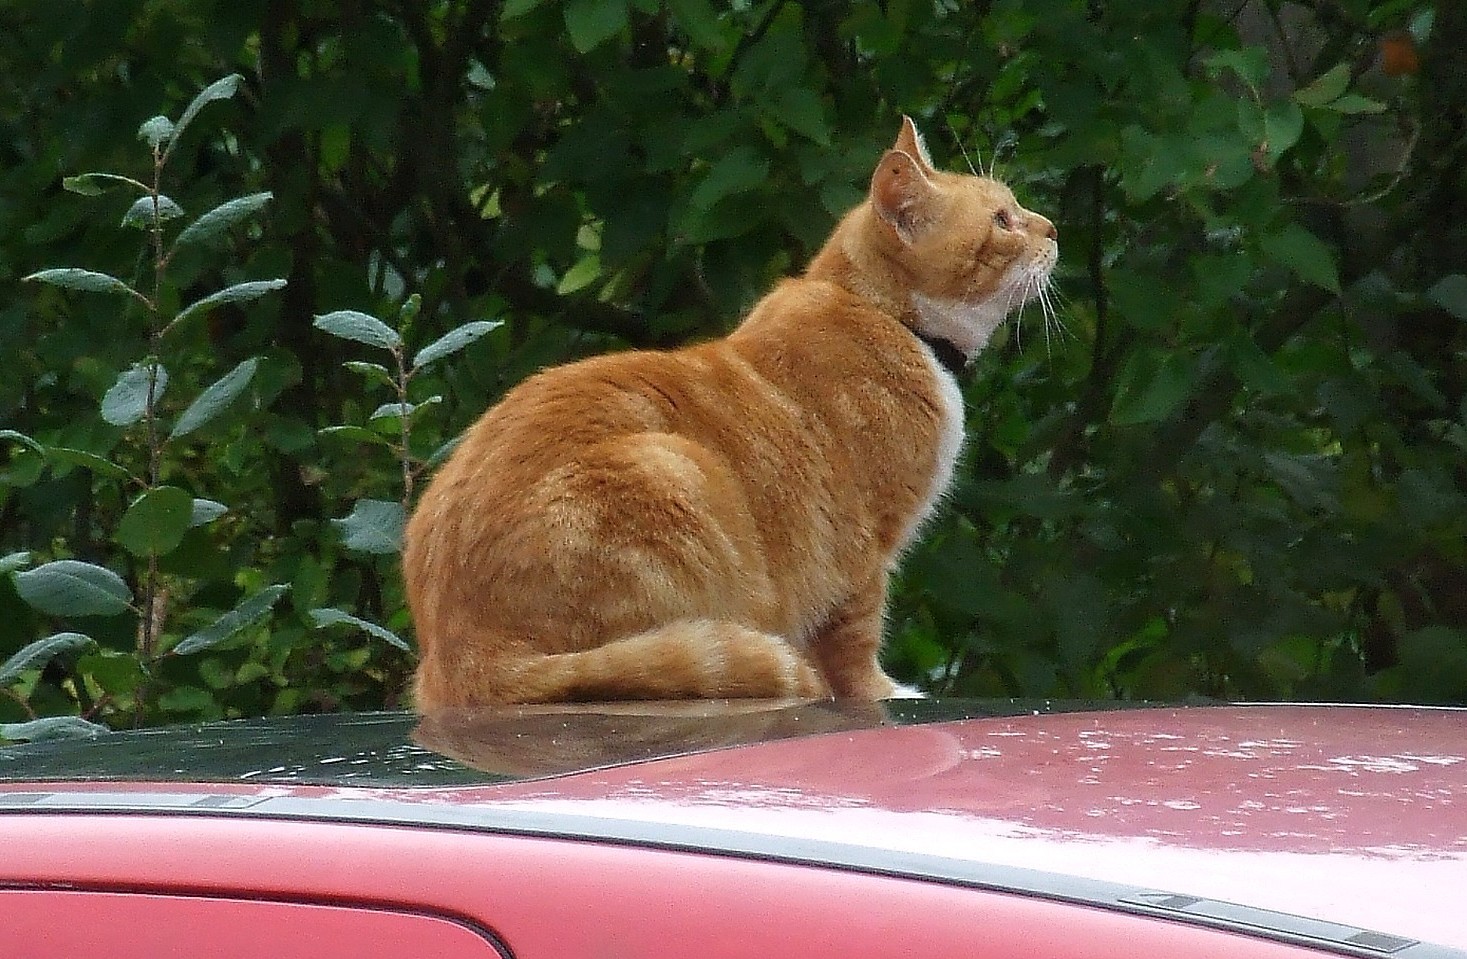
{"x":1004,"y":221}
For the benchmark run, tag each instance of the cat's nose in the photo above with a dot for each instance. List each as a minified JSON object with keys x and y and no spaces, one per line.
{"x":1050,"y":231}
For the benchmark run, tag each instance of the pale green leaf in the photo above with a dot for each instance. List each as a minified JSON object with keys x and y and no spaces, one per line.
{"x":205,"y":511}
{"x":11,"y":562}
{"x":126,"y":401}
{"x":41,"y":652}
{"x":239,"y":292}
{"x":68,"y":587}
{"x":146,"y":208}
{"x":156,"y":131}
{"x":218,"y":90}
{"x":87,"y":281}
{"x":359,"y":327}
{"x":94,"y":184}
{"x":373,"y":526}
{"x":247,"y":612}
{"x":222,"y":217}
{"x":329,"y":616}
{"x":216,"y":398}
{"x":454,"y":340}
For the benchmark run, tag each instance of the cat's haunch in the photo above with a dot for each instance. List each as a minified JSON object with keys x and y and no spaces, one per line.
{"x":720,"y":520}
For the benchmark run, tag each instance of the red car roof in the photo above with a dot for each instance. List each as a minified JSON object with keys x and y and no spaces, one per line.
{"x":1355,"y":817}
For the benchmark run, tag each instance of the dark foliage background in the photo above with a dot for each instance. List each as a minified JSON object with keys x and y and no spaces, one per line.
{"x":1241,"y":473}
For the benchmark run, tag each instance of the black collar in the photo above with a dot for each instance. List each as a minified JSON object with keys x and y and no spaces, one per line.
{"x":951,"y":358}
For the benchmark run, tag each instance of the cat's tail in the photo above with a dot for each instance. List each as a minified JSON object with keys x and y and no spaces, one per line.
{"x":689,"y":659}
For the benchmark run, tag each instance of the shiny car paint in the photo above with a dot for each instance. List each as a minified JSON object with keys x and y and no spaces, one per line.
{"x":1149,"y":832}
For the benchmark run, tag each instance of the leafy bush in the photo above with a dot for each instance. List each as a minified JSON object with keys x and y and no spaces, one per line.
{"x":1242,"y":476}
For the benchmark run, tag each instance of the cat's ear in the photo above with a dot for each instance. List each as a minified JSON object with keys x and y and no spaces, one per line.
{"x":910,"y":142}
{"x":901,"y":194}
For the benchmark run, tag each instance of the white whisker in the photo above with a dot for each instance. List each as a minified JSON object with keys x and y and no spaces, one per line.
{"x":959,"y":140}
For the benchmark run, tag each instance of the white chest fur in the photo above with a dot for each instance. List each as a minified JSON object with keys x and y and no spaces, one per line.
{"x":949,"y":444}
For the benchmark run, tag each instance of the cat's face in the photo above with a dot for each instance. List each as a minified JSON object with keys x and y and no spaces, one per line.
{"x":967,"y":252}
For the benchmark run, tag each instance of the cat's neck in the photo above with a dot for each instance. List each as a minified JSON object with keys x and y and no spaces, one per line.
{"x":857,"y":258}
{"x":861,"y":256}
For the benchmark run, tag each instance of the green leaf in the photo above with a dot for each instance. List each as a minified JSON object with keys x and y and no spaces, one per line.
{"x":592,"y":22}
{"x":186,"y":699}
{"x":443,"y":452}
{"x":247,"y":612}
{"x":359,"y":327}
{"x":205,"y":511}
{"x":1450,"y":293}
{"x":141,"y":214}
{"x":1355,"y":103}
{"x":222,"y":217}
{"x":518,"y":8}
{"x":742,"y":169}
{"x":117,"y":673}
{"x":1283,"y":124}
{"x":216,"y":398}
{"x":127,"y":400}
{"x":360,"y":433}
{"x":155,"y":131}
{"x":87,"y":184}
{"x":11,"y":562}
{"x":155,"y":522}
{"x":373,"y":526}
{"x":374,"y":372}
{"x":699,"y":21}
{"x":395,"y":411}
{"x":239,"y":292}
{"x":51,"y":728}
{"x":100,"y":465}
{"x":800,"y":109}
{"x":68,"y":587}
{"x":1150,"y":391}
{"x":87,"y":281}
{"x":23,"y":440}
{"x":218,"y":90}
{"x":454,"y":340}
{"x":329,"y":616}
{"x":580,"y":276}
{"x":1305,"y":254}
{"x":1326,"y":87}
{"x":1249,"y":63}
{"x":41,"y":652}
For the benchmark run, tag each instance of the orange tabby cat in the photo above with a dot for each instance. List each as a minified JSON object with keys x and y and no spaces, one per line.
{"x":720,"y":520}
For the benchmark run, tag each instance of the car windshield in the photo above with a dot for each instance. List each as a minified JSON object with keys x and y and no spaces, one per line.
{"x":465,"y":749}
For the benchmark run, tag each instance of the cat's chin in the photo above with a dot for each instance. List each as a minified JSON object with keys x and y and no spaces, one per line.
{"x":967,"y":326}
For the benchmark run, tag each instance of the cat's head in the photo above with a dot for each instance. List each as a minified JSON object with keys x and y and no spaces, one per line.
{"x":966,"y":252}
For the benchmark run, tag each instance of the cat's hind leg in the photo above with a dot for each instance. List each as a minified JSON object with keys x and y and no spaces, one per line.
{"x":848,"y":647}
